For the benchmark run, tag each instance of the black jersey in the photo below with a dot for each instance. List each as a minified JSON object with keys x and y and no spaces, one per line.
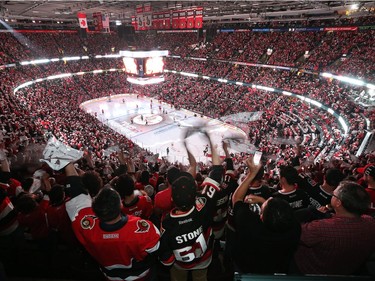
{"x":222,"y":203}
{"x":187,"y":238}
{"x":297,"y":199}
{"x":318,"y":196}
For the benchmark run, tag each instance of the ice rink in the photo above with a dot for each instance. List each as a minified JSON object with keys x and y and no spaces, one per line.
{"x":157,"y":126}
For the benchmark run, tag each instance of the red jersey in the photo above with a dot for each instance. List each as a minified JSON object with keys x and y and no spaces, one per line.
{"x":58,"y":220}
{"x":123,"y":249}
{"x":36,"y":221}
{"x":371,"y":192}
{"x":141,"y":207}
{"x":163,"y":201}
{"x":8,"y":217}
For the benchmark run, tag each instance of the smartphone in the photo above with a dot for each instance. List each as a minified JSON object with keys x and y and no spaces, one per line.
{"x":257,"y":157}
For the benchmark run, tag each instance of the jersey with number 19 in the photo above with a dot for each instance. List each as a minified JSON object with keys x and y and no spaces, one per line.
{"x":187,"y":238}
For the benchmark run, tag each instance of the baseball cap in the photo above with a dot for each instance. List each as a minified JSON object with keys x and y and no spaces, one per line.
{"x":362,"y":170}
{"x":172,"y":174}
{"x":370,"y":171}
{"x":184,"y":191}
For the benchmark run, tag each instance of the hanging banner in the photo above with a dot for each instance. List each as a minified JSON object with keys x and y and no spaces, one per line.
{"x":139,"y":9}
{"x":105,"y":20}
{"x":155,"y":21}
{"x":82,"y":20}
{"x":97,"y":20}
{"x":182,"y":19}
{"x":175,"y":20}
{"x":167,"y":20}
{"x":147,"y":8}
{"x":199,"y":18}
{"x":190,"y":19}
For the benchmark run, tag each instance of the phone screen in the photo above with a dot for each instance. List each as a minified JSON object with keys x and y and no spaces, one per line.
{"x":257,"y":156}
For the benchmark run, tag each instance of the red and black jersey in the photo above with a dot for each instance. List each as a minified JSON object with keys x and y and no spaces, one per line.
{"x":141,"y":207}
{"x":8,"y":216}
{"x":122,"y":249}
{"x":187,"y":237}
{"x":228,"y":186}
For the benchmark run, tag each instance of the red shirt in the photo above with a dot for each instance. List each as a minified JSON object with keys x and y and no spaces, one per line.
{"x":36,"y":221}
{"x":141,"y":207}
{"x":58,"y":220}
{"x":163,"y":201}
{"x":371,"y":192}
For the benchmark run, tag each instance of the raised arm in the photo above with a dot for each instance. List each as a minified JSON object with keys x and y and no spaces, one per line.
{"x":240,"y":192}
{"x":192,"y":161}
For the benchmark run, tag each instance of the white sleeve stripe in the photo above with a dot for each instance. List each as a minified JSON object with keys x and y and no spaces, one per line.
{"x":74,"y":205}
{"x":209,"y":181}
{"x":153,"y":249}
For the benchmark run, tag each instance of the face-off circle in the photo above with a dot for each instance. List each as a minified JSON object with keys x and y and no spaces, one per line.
{"x":147,"y":119}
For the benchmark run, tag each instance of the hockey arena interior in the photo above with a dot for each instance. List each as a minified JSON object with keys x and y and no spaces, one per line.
{"x":187,"y":140}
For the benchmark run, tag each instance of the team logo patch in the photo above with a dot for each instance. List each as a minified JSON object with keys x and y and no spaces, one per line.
{"x":200,"y":203}
{"x":88,"y":222}
{"x":142,"y":226}
{"x":255,"y":208}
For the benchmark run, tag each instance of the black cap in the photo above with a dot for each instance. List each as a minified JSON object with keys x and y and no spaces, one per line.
{"x":172,"y":174}
{"x":184,"y":191}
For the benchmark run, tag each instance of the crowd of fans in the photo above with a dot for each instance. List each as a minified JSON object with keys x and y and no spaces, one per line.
{"x":289,"y":132}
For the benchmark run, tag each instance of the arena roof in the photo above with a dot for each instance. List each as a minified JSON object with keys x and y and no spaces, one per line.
{"x":214,"y":11}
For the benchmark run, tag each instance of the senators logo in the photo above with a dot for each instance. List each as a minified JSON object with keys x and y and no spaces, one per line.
{"x":142,"y":226}
{"x":200,"y":203}
{"x":88,"y":222}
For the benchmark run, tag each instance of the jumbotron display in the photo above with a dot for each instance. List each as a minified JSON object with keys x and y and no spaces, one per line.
{"x":144,"y":67}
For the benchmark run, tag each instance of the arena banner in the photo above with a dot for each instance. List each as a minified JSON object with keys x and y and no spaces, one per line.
{"x":167,"y":20}
{"x":175,"y":20}
{"x":97,"y":20}
{"x":182,"y":19}
{"x":302,"y":29}
{"x":342,"y":28}
{"x":139,"y":9}
{"x":367,"y":27}
{"x":82,"y":20}
{"x":160,"y":21}
{"x":198,"y":18}
{"x":105,"y":21}
{"x":179,"y":31}
{"x":190,"y":15}
{"x":261,"y":30}
{"x":155,"y":21}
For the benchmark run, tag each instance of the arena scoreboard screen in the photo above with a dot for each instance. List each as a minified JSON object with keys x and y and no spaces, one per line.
{"x":144,"y":67}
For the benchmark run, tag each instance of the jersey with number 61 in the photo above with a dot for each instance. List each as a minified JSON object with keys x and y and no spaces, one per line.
{"x":187,"y":237}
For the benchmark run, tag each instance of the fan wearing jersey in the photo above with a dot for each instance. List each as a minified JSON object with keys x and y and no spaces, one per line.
{"x":297,"y":198}
{"x":265,"y":242}
{"x":320,"y":195}
{"x":133,"y":204}
{"x":187,"y":236}
{"x":123,"y":245}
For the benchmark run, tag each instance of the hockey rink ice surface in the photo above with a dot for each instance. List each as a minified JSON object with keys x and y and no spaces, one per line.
{"x":157,"y":126}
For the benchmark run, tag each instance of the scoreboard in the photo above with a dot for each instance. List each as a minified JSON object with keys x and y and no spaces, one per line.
{"x":144,"y":67}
